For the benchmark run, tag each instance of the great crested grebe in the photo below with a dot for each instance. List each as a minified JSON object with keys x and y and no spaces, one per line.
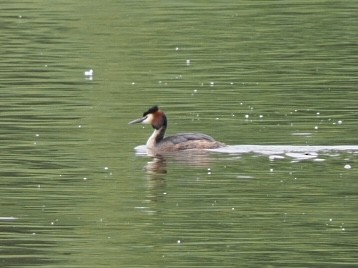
{"x":157,"y":144}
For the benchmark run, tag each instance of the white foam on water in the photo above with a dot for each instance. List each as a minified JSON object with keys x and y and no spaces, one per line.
{"x":276,"y":152}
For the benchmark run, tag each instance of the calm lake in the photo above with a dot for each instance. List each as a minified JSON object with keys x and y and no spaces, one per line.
{"x":262,"y":76}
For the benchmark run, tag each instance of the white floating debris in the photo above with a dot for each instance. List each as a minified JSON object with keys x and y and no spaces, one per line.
{"x":339,"y":122}
{"x":178,"y":242}
{"x":316,"y":127}
{"x":247,"y":116}
{"x":212,"y":84}
{"x":88,"y":72}
{"x":177,"y":48}
{"x":347,"y":166}
{"x":187,"y":62}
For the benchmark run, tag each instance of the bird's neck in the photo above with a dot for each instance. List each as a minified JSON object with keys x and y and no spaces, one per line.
{"x":156,"y":137}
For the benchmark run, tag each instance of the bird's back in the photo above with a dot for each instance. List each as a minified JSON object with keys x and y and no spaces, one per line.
{"x":184,"y":141}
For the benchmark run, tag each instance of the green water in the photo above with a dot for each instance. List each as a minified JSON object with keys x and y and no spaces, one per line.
{"x":74,"y":193}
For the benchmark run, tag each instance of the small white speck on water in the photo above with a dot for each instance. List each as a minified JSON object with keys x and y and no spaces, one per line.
{"x":85,"y":179}
{"x":339,"y":122}
{"x":88,"y":72}
{"x":177,"y":48}
{"x":133,"y":83}
{"x":271,"y":169}
{"x":317,"y":113}
{"x":187,"y":62}
{"x":79,"y":126}
{"x":347,"y":166}
{"x":247,"y":116}
{"x":37,"y":135}
{"x":212,"y":84}
{"x":316,"y":127}
{"x":105,"y":168}
{"x":261,"y":116}
{"x":178,"y":242}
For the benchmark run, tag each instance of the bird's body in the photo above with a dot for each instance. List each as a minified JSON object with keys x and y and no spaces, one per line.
{"x":158,"y":144}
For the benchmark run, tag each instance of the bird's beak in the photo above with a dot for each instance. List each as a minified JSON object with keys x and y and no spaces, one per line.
{"x":139,"y":120}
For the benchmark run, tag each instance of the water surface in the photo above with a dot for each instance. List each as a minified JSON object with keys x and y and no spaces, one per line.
{"x":263,"y":73}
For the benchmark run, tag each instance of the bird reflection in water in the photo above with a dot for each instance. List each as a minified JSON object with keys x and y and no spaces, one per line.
{"x":158,"y":168}
{"x":196,"y":159}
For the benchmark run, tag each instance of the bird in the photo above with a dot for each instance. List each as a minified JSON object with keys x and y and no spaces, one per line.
{"x":158,"y":144}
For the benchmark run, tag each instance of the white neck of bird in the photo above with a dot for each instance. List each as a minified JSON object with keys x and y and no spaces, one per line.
{"x":155,"y":138}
